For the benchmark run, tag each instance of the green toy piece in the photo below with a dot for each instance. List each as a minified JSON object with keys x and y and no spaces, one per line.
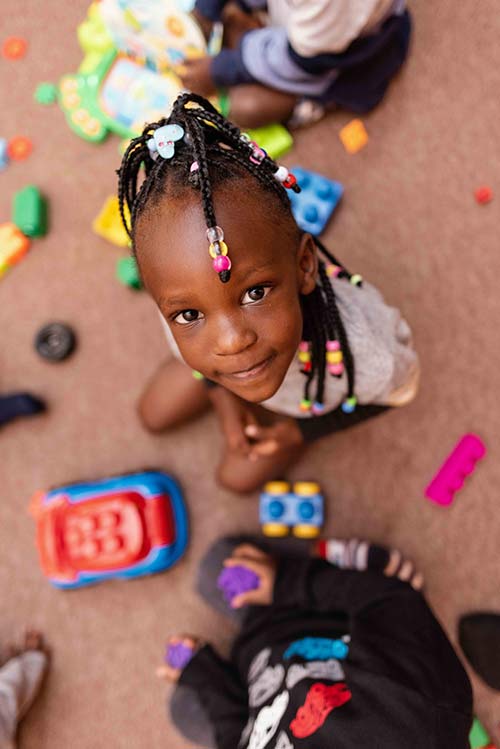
{"x":29,"y":212}
{"x":478,"y":737}
{"x":46,"y":93}
{"x":128,"y":273}
{"x":275,"y":139}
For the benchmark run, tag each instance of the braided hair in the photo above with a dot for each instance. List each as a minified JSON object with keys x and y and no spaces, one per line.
{"x":213,"y":151}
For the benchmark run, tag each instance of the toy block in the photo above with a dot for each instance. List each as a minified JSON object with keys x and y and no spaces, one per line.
{"x":457,"y":466}
{"x":29,"y":212}
{"x":313,"y":206}
{"x":13,"y":246}
{"x":354,"y":136}
{"x":108,"y":224}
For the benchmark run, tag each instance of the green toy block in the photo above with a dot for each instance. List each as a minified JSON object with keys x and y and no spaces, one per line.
{"x":478,"y":737}
{"x":46,"y":93}
{"x":127,"y":273}
{"x":29,"y":212}
{"x":275,"y":139}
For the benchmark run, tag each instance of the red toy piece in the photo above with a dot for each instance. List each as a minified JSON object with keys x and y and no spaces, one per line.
{"x":19,"y":148}
{"x":483,"y":195}
{"x":320,"y":701}
{"x":14,"y":48}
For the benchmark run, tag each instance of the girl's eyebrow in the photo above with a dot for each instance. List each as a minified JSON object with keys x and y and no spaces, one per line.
{"x":173,"y":302}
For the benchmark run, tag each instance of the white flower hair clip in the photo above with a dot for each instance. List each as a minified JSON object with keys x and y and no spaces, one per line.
{"x":163,"y":141}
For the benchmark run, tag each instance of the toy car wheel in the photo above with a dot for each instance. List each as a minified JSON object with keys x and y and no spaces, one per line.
{"x":306,"y":488}
{"x":275,"y":530}
{"x":305,"y":531}
{"x":55,"y":341}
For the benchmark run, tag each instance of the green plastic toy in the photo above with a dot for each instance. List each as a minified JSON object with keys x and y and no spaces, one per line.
{"x":29,"y":212}
{"x":478,"y":737}
{"x":127,"y":75}
{"x":128,"y":273}
{"x":46,"y":93}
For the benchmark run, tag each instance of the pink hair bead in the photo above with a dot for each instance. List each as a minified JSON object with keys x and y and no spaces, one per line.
{"x":332,"y":346}
{"x":333,"y":270}
{"x":304,"y":346}
{"x":335,"y":369}
{"x":221,"y":263}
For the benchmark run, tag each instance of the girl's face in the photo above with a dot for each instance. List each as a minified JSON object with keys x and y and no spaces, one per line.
{"x":243,"y":334}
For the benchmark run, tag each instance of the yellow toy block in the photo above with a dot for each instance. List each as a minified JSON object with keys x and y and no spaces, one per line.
{"x":13,"y":246}
{"x":354,"y":136}
{"x":108,"y":224}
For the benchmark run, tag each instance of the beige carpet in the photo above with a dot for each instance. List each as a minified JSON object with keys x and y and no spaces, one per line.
{"x":408,"y":222}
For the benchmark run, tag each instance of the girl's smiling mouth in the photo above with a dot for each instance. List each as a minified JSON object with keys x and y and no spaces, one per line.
{"x":255,"y":370}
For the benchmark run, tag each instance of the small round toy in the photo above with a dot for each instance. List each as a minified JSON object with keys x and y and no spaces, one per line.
{"x":46,"y":93}
{"x":19,"y":148}
{"x":14,"y":48}
{"x":235,"y":580}
{"x":483,"y":195}
{"x":55,"y":341}
{"x":178,"y":655}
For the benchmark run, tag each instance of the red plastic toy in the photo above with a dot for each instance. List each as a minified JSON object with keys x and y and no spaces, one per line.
{"x":483,"y":195}
{"x":19,"y":148}
{"x":14,"y":48}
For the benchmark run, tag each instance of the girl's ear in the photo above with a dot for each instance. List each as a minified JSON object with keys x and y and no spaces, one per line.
{"x":307,"y":264}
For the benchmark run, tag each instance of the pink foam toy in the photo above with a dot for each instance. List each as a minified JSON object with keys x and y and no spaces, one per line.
{"x":457,"y":466}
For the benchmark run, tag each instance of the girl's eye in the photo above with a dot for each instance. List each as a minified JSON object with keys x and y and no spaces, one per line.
{"x":256,"y":294}
{"x":187,"y":316}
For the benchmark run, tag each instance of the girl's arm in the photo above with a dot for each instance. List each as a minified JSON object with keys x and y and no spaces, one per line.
{"x":221,"y":692}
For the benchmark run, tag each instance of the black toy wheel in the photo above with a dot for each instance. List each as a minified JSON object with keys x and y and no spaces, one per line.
{"x":55,"y":341}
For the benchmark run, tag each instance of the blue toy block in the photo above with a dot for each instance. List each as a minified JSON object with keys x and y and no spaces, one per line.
{"x":317,"y":200}
{"x":4,"y":156}
{"x":300,"y":510}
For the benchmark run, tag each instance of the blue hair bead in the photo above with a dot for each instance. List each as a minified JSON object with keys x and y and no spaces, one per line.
{"x":349,"y":405}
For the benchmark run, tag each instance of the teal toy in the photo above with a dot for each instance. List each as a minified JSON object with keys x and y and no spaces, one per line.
{"x":29,"y":212}
{"x":128,"y":273}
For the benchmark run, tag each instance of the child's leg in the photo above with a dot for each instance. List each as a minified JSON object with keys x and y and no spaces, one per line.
{"x":238,"y":473}
{"x":171,"y":397}
{"x":253,"y":105}
{"x":190,"y":717}
{"x":20,"y":680}
{"x":352,"y":554}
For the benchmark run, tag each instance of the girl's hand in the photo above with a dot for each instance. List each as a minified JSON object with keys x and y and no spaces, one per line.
{"x":196,"y":75}
{"x":235,"y":416}
{"x":264,"y":567}
{"x":281,"y":437}
{"x":170,"y":673}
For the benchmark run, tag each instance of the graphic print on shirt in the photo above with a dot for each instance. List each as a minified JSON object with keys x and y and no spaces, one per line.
{"x":330,"y":670}
{"x":321,"y":699}
{"x":317,"y":649}
{"x":258,"y":664}
{"x":267,"y":722}
{"x":283,"y":742}
{"x":267,"y":684}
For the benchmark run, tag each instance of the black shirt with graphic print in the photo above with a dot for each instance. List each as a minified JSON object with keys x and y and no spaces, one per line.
{"x":342,"y":659}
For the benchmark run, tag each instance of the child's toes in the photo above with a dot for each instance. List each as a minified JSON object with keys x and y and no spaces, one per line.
{"x":33,"y":640}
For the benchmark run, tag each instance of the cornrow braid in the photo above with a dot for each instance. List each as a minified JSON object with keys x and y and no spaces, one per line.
{"x":206,"y":151}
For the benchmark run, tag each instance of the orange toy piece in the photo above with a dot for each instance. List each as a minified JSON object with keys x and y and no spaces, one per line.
{"x":354,"y":136}
{"x":19,"y":148}
{"x":14,"y":48}
{"x":13,"y":246}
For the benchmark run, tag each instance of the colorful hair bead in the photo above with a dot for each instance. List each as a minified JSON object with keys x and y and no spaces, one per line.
{"x":258,"y":153}
{"x":318,"y":408}
{"x":356,"y":279}
{"x":336,"y":369}
{"x":349,"y":405}
{"x":218,"y":252}
{"x":305,"y":405}
{"x":304,"y":356}
{"x":333,"y":270}
{"x":197,"y":375}
{"x":334,"y":357}
{"x":332,"y":346}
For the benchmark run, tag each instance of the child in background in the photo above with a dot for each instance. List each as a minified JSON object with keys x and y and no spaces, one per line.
{"x":289,"y":346}
{"x":326,"y":657}
{"x":20,"y":678}
{"x":312,"y":55}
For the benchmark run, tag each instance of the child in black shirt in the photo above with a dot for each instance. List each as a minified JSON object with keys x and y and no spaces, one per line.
{"x":326,"y":657}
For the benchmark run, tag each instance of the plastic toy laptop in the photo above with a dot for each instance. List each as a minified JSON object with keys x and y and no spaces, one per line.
{"x":123,"y":527}
{"x":299,"y":510}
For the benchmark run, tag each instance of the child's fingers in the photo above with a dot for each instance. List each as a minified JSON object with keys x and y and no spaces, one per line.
{"x":264,"y":449}
{"x":252,"y":564}
{"x":247,"y":599}
{"x":167,"y":673}
{"x":250,"y":551}
{"x":258,"y":432}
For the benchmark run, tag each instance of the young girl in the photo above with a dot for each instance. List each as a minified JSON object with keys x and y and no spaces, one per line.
{"x":311,"y":55}
{"x":260,"y":310}
{"x":326,"y":657}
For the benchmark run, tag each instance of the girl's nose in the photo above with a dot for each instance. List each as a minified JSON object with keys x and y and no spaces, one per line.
{"x":233,"y":336}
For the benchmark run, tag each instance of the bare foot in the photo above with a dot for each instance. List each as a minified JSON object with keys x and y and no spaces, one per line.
{"x":172,"y":673}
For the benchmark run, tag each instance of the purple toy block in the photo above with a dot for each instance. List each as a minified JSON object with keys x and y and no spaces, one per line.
{"x":178,"y":655}
{"x":457,"y":466}
{"x":235,"y":580}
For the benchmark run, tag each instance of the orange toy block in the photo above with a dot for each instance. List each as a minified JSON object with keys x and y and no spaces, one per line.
{"x":354,"y":136}
{"x":13,"y":246}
